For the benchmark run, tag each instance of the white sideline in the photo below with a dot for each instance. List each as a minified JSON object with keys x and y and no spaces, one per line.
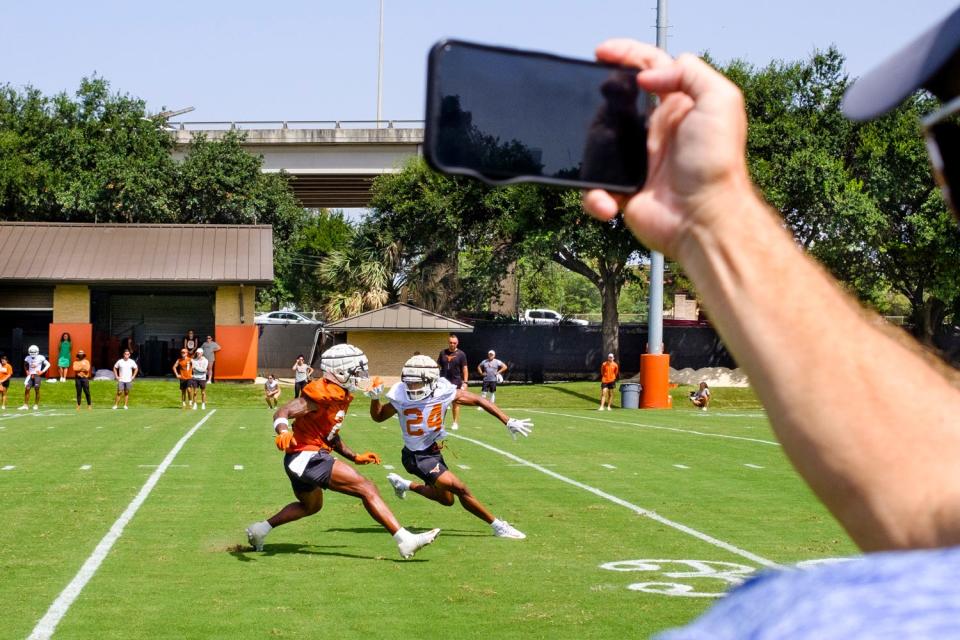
{"x":655,"y":426}
{"x":48,"y":623}
{"x":726,"y":546}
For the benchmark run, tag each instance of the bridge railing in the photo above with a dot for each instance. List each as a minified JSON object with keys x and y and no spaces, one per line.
{"x":296,"y":124}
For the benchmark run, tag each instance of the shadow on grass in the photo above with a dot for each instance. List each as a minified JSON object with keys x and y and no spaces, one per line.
{"x":443,"y":532}
{"x":576,"y":394}
{"x":243,"y":553}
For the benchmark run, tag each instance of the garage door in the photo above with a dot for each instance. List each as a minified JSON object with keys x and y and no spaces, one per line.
{"x":26,"y":298}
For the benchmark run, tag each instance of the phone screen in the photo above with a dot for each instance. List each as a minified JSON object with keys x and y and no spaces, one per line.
{"x":506,"y":116}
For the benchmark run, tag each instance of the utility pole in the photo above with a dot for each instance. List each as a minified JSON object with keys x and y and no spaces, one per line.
{"x":654,"y":364}
{"x":380,"y":68}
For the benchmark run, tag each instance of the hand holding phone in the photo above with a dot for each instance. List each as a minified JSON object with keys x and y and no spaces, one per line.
{"x":504,"y":115}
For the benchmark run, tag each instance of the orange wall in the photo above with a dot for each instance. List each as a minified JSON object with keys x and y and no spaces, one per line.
{"x":81,"y":337}
{"x":237,"y":358}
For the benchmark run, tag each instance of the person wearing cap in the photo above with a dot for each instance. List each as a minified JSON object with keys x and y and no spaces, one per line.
{"x":609,"y":374}
{"x":880,"y":450}
{"x":210,"y":348}
{"x":199,"y":366}
{"x":492,"y":371}
{"x":81,"y":378}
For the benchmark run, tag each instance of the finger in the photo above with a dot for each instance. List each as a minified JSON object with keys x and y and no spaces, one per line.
{"x":600,"y":204}
{"x":665,"y":119}
{"x":688,"y":74}
{"x":630,"y":52}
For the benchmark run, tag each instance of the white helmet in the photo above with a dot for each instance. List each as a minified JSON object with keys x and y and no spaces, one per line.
{"x":33,"y":350}
{"x":346,"y":364}
{"x":419,"y":375}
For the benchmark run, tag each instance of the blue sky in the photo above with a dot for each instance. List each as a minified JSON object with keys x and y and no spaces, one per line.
{"x":318,"y":60}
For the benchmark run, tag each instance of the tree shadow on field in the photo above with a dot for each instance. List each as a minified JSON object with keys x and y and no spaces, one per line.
{"x":576,"y":394}
{"x":242,"y":553}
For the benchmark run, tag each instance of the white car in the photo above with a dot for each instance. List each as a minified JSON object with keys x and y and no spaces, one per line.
{"x":548,"y":316}
{"x":284,"y":317}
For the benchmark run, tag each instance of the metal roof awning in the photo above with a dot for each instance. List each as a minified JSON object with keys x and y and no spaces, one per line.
{"x":142,"y":253}
{"x":399,"y":317}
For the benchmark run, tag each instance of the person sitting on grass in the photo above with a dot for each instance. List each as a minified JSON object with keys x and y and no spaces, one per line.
{"x":701,"y":397}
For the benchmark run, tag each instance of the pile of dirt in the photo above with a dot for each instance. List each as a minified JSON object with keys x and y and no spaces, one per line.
{"x":713,"y":376}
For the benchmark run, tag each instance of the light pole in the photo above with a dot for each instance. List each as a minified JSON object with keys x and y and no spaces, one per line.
{"x":380,"y":67}
{"x":654,"y":364}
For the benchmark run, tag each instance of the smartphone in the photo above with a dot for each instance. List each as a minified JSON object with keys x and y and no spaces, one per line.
{"x":506,"y":115}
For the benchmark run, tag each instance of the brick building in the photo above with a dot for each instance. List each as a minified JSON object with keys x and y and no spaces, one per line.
{"x":104,"y":283}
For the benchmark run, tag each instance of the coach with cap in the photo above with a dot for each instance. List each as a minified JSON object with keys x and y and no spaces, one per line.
{"x":880,"y":449}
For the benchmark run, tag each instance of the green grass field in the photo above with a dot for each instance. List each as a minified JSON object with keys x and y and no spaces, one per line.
{"x":720,"y":488}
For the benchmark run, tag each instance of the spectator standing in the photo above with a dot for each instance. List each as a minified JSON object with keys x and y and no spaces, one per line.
{"x":191,"y":343}
{"x":126,"y":370}
{"x":82,"y":371}
{"x":301,"y":375}
{"x":701,"y":397}
{"x":453,"y":366}
{"x":609,"y":373}
{"x":6,"y":372}
{"x":210,"y":349}
{"x":271,"y":391}
{"x":64,"y":355}
{"x":34,"y":366}
{"x":183,"y":369}
{"x":492,"y":371}
{"x":200,"y":364}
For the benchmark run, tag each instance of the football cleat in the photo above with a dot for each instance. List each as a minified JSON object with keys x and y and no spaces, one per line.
{"x":413,"y":542}
{"x":256,"y":533}
{"x":502,"y":529}
{"x":400,"y":486}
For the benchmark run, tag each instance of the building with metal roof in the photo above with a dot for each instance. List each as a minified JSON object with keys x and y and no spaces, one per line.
{"x":149,"y":283}
{"x":390,"y":335}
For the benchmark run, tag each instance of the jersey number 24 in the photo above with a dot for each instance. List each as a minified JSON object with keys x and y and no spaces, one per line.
{"x":413,"y":419}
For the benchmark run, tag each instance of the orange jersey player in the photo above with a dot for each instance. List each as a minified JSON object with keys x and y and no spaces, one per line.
{"x":317,"y":418}
{"x":183,"y":369}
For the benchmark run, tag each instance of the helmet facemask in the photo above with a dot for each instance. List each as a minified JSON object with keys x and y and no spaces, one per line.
{"x":419,"y":376}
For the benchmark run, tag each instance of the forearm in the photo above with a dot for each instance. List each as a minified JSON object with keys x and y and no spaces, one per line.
{"x":340,"y":447}
{"x":877,"y":456}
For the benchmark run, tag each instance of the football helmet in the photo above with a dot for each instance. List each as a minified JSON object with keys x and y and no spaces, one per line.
{"x":347,"y":364}
{"x":419,"y":375}
{"x":33,"y":350}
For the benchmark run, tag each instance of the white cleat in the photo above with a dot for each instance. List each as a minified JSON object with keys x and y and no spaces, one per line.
{"x":502,"y":529}
{"x":256,"y":533}
{"x":36,"y":407}
{"x":454,"y":426}
{"x":125,"y":407}
{"x":413,"y":542}
{"x":23,"y":408}
{"x":400,"y":486}
{"x":203,"y":406}
{"x":114,"y":406}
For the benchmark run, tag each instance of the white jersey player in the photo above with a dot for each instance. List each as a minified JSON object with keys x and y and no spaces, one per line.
{"x":34,"y":366}
{"x":419,"y":401}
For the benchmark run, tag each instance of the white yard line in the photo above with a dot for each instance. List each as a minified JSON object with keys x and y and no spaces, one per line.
{"x":608,"y":466}
{"x":655,"y":426}
{"x":9,"y":467}
{"x":85,"y":467}
{"x":623,"y":503}
{"x":753,"y":466}
{"x":48,"y":623}
{"x":681,"y":466}
{"x":238,"y":467}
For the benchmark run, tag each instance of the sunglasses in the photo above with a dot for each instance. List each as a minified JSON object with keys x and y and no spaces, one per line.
{"x":942,"y":131}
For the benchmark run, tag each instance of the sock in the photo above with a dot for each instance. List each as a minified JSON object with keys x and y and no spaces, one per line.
{"x":483,"y":394}
{"x":401,"y":535}
{"x":493,"y":398}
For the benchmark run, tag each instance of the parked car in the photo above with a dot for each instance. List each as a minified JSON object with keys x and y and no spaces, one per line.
{"x":284,"y":317}
{"x":548,"y":316}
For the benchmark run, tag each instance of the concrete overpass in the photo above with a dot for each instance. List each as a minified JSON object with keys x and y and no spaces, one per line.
{"x":331,"y":163}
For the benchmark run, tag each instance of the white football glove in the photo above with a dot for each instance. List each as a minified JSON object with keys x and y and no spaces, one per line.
{"x":375,"y":390}
{"x":523,"y":427}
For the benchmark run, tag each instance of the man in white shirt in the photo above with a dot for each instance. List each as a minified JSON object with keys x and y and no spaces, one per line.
{"x":420,"y":401}
{"x":126,"y":370}
{"x":200,"y":364}
{"x":34,"y":366}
